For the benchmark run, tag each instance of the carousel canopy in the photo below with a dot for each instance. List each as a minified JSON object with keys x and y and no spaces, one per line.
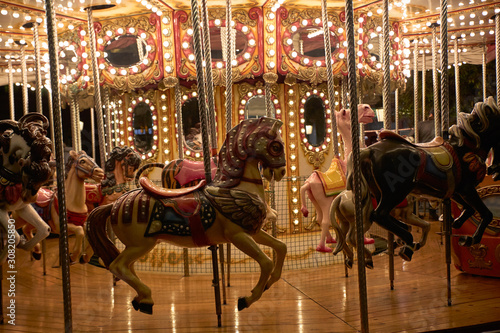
{"x":470,"y":22}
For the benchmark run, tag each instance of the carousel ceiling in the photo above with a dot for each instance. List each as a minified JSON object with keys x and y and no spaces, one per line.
{"x":469,"y":21}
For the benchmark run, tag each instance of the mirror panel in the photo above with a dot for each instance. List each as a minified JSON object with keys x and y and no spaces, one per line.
{"x":191,"y":125}
{"x":125,"y":50}
{"x":143,"y":128}
{"x":309,"y":42}
{"x":314,"y":117}
{"x":217,"y":43}
{"x":256,"y":107}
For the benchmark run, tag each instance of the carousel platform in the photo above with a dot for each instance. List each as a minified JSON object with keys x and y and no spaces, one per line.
{"x":307,"y":300}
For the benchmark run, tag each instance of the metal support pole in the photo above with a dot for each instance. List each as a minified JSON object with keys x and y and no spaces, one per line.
{"x":11,"y":93}
{"x":497,"y":52}
{"x":61,"y":196}
{"x":437,"y":113}
{"x":72,"y":113}
{"x":108,"y":141}
{"x":38,"y":68}
{"x":24,"y":73}
{"x":484,"y":74}
{"x":92,"y":131}
{"x":198,"y":50}
{"x":415,"y":90}
{"x":390,"y":253}
{"x":386,"y":67}
{"x":424,"y":73}
{"x":97,"y":89}
{"x":396,"y":111}
{"x":351,"y":69}
{"x":77,"y":118}
{"x":457,"y":77}
{"x":51,"y":116}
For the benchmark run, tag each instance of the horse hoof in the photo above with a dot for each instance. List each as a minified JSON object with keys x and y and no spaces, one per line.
{"x":82,"y":260}
{"x":466,"y":241}
{"x":146,"y":308}
{"x":406,"y":253}
{"x":135,"y":304}
{"x":348,"y":263}
{"x":369,"y":264}
{"x":324,"y":249}
{"x":417,"y":246}
{"x":369,"y":241}
{"x":331,"y":240}
{"x":36,"y":255}
{"x":242,"y":303}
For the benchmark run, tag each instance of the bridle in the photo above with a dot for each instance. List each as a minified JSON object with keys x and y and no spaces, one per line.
{"x":82,"y":169}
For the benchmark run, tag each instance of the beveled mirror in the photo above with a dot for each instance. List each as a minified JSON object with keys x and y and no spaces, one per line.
{"x":125,"y":50}
{"x":309,"y":42}
{"x":256,"y":107}
{"x":218,"y":44}
{"x":143,"y":128}
{"x":191,"y":126}
{"x":314,"y":120}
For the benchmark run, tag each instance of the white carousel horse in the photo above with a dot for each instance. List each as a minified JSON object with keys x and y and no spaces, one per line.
{"x":231,"y":209}
{"x":78,"y":168}
{"x":24,"y":157}
{"x":314,"y":186}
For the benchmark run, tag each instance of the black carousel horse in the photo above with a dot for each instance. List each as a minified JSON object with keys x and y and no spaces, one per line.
{"x":393,"y":168}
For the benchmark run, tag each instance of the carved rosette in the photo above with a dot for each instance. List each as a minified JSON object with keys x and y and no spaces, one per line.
{"x":149,"y":70}
{"x":479,"y":252}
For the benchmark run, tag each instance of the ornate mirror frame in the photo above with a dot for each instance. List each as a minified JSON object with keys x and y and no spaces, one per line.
{"x":149,"y":71}
{"x":75,"y":39}
{"x":247,"y":91}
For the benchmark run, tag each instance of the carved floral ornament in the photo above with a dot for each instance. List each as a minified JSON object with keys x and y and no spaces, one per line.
{"x":144,"y":32}
{"x":301,"y":29}
{"x":248,"y":61}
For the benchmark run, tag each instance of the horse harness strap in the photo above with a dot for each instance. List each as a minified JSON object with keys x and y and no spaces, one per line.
{"x":85,"y":171}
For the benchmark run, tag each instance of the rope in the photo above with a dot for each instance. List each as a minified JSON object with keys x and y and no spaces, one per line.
{"x":11,"y":92}
{"x":424,"y":73}
{"x":329,"y":75}
{"x":437,"y":114}
{"x":344,"y":93}
{"x":497,"y":49}
{"x":39,"y":84}
{"x":445,"y":109}
{"x":178,"y":111}
{"x":209,"y":78}
{"x":229,"y":67}
{"x":25,"y":79}
{"x":351,"y":67}
{"x":56,"y":106}
{"x":415,"y":90}
{"x":97,"y":89}
{"x":386,"y":67}
{"x":457,"y":77}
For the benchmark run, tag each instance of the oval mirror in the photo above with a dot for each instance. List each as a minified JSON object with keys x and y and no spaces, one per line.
{"x":68,"y":64}
{"x":143,"y":128}
{"x":191,"y":126}
{"x":256,"y":107}
{"x":314,"y":120}
{"x":309,"y":42}
{"x":125,"y":51}
{"x":218,"y":43}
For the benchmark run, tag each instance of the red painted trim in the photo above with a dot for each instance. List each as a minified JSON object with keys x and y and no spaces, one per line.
{"x":179,"y":17}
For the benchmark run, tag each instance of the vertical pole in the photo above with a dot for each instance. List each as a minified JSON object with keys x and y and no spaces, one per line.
{"x":11,"y":93}
{"x":386,"y":66}
{"x":437,"y":113}
{"x":92,"y":131}
{"x":97,"y":89}
{"x":396,"y":110}
{"x":415,"y":90}
{"x":198,"y":50}
{"x":24,"y":73}
{"x":72,"y":114}
{"x":77,"y":118}
{"x":107,"y":113}
{"x":484,"y":74}
{"x":39,"y":84}
{"x":61,"y":196}
{"x":51,"y":116}
{"x":445,"y":114}
{"x":351,"y":69}
{"x":424,"y":72}
{"x":497,"y":52}
{"x":457,"y":77}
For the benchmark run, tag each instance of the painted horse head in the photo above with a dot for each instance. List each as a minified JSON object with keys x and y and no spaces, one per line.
{"x":84,"y":166}
{"x":252,"y":138}
{"x":25,"y":153}
{"x":124,"y":157}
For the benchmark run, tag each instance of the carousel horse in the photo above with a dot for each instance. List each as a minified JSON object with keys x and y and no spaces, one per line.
{"x":24,"y":158}
{"x":319,"y":189}
{"x":78,"y":168}
{"x":230,"y":209}
{"x":393,"y":168}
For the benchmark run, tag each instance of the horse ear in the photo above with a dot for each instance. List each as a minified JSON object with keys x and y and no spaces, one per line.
{"x":73,"y":154}
{"x":344,"y":111}
{"x":275,"y":127}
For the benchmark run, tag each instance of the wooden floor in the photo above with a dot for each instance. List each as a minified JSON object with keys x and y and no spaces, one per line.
{"x":313,"y":300}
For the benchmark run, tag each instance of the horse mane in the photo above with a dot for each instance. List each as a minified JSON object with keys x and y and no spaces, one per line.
{"x":118,"y":154}
{"x":238,"y":145}
{"x":465,"y":126}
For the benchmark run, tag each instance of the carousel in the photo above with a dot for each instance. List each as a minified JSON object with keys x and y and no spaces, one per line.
{"x":221,"y":166}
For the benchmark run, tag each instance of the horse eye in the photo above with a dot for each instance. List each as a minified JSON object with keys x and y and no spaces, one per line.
{"x":276,"y":148}
{"x":82,"y":161}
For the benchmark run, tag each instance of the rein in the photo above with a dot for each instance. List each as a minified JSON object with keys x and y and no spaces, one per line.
{"x":10,"y":176}
{"x":85,"y":171}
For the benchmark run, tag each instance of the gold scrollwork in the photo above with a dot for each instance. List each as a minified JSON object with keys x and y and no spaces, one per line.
{"x":479,"y":251}
{"x":316,"y":158}
{"x":241,"y":16}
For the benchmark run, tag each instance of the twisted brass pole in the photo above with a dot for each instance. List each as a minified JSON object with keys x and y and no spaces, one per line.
{"x":11,"y":92}
{"x":24,"y":73}
{"x":457,"y":77}
{"x":38,"y":69}
{"x":484,"y":72}
{"x":497,"y":52}
{"x":351,"y":68}
{"x":437,"y":113}
{"x":229,"y":67}
{"x":415,"y":90}
{"x":386,"y":67}
{"x":61,"y":196}
{"x":424,"y":73}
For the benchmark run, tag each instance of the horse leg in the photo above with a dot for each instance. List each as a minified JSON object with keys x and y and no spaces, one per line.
{"x":413,"y":219}
{"x":29,"y":214}
{"x":245,"y":243}
{"x":473,"y":199}
{"x":122,"y":267}
{"x":77,"y":247}
{"x":467,"y":212}
{"x":28,"y":233}
{"x":264,"y":238}
{"x":4,"y":221}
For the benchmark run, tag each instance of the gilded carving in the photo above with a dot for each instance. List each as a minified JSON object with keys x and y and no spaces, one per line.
{"x":241,"y":16}
{"x":479,"y":251}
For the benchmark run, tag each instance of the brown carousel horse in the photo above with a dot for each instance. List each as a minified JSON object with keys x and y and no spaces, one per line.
{"x":78,"y":168}
{"x":393,"y":168}
{"x":24,"y":167}
{"x":230,"y":209}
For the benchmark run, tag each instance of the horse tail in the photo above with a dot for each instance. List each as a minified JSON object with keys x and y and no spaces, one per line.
{"x":144,"y":167}
{"x":98,"y":237}
{"x":333,"y":220}
{"x":305,"y":190}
